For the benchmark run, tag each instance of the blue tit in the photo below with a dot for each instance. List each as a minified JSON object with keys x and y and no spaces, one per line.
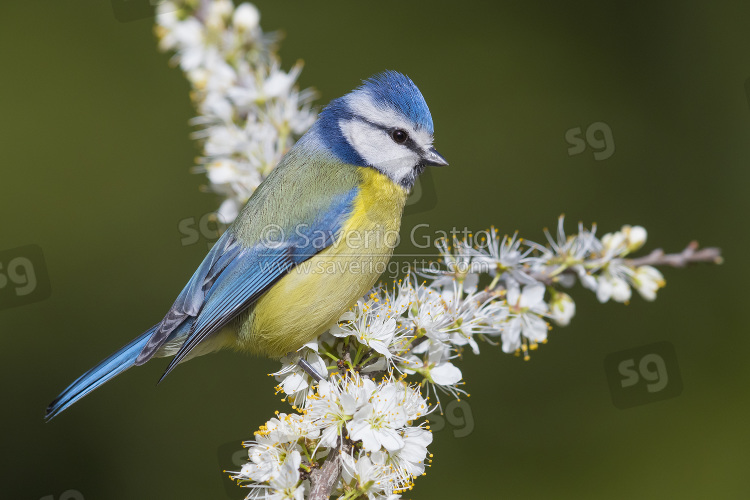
{"x":311,"y":240}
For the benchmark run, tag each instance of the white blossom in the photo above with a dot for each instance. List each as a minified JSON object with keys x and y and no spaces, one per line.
{"x":526,"y":310}
{"x":647,"y":280}
{"x":635,"y":237}
{"x":371,"y":324}
{"x":562,"y":308}
{"x":365,"y":476}
{"x":274,"y":441}
{"x":335,"y":403}
{"x":612,"y":285}
{"x":504,"y":258}
{"x":429,"y":314}
{"x":294,"y":380}
{"x":250,"y":111}
{"x":409,"y":460}
{"x":246,"y":17}
{"x":376,"y":423}
{"x":460,"y":265}
{"x":285,"y":484}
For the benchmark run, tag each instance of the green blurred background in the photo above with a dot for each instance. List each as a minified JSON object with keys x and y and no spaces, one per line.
{"x":95,"y":160}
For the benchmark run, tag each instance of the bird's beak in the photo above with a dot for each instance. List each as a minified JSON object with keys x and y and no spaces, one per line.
{"x":433,"y":159}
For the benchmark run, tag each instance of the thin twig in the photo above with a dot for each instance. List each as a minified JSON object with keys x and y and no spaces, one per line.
{"x":690,"y":255}
{"x":324,"y":479}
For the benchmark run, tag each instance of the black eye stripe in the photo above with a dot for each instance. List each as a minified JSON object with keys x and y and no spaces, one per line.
{"x":409,"y":142}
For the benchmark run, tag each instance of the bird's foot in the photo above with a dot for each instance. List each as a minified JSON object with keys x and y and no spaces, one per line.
{"x":309,"y":369}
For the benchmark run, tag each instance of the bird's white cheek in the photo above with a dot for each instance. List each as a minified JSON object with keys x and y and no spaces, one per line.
{"x":379,"y":150}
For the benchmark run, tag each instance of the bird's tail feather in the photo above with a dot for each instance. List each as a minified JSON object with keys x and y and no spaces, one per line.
{"x":98,"y":375}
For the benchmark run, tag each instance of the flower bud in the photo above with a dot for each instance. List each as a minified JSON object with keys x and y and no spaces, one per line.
{"x":246,"y":17}
{"x":647,"y":280}
{"x":635,"y":237}
{"x":562,"y":308}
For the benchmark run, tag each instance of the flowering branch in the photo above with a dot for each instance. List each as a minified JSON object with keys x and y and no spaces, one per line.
{"x":690,"y":255}
{"x":249,"y":111}
{"x":415,"y":331}
{"x":360,"y":392}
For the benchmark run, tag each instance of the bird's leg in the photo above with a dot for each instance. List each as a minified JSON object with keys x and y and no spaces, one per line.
{"x":309,"y":369}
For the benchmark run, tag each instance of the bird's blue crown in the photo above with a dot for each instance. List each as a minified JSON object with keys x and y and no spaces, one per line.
{"x":389,"y":90}
{"x":393,"y":90}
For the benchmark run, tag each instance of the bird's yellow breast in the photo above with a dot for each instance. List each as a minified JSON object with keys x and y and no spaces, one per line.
{"x":313,"y":295}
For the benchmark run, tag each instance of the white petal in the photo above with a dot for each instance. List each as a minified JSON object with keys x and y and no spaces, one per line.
{"x":563,"y":309}
{"x":379,"y":347}
{"x":246,"y":16}
{"x":470,"y":283}
{"x":446,"y":374}
{"x":379,"y":365}
{"x":636,"y":237}
{"x":511,"y":336}
{"x":587,"y":280}
{"x":604,"y":289}
{"x":532,"y":295}
{"x":535,"y":328}
{"x":416,"y":440}
{"x":329,"y":437}
{"x":340,"y":332}
{"x":620,"y":290}
{"x":390,"y":439}
{"x":294,"y":383}
{"x":348,"y":404}
{"x":277,"y":84}
{"x":228,"y":210}
{"x":347,"y":316}
{"x":513,"y":295}
{"x":221,"y":172}
{"x":363,"y":432}
{"x":310,"y":345}
{"x":613,"y":242}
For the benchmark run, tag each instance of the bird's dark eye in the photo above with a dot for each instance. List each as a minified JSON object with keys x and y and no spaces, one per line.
{"x":399,"y":136}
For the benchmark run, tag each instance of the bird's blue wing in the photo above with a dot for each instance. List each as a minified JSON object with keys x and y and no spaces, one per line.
{"x":239,"y":275}
{"x":190,"y":301}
